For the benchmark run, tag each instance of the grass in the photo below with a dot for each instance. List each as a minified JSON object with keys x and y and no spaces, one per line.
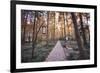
{"x":40,"y":52}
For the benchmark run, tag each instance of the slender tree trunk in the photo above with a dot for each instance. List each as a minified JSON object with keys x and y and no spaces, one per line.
{"x":83,"y":31}
{"x":88,"y":27}
{"x":33,"y":35}
{"x":61,"y":26}
{"x":24,"y":28}
{"x":29,"y":37}
{"x":67,"y":28}
{"x":47,"y":26}
{"x":23,"y":41}
{"x":78,"y":39}
{"x":36,"y":30}
{"x":54,"y":26}
{"x":64,"y":26}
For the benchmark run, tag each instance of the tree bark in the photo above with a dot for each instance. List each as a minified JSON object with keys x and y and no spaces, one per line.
{"x":78,"y":39}
{"x":64,"y":26}
{"x":24,"y":22}
{"x":88,"y":26}
{"x":54,"y":26}
{"x":83,"y":31}
{"x":33,"y":35}
{"x":35,"y":32}
{"x":47,"y":26}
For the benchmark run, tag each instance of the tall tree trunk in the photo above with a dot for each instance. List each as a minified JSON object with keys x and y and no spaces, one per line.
{"x":24,"y":32}
{"x":47,"y":26}
{"x":24,"y":23}
{"x":83,"y":30}
{"x":78,"y":39}
{"x":64,"y":26}
{"x":54,"y":26}
{"x":88,"y":26}
{"x":35,"y":31}
{"x":29,"y":37}
{"x":33,"y":35}
{"x":61,"y":25}
{"x":67,"y":28}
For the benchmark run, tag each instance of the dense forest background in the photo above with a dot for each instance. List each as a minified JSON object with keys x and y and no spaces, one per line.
{"x":40,"y":31}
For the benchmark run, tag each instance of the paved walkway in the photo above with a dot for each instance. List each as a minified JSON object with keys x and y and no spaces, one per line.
{"x":57,"y":54}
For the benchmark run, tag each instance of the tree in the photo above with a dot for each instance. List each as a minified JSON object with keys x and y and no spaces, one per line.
{"x":64,"y":25}
{"x":23,"y":24}
{"x":78,"y":39}
{"x":83,"y":30}
{"x":54,"y":24}
{"x":69,"y":25}
{"x":61,"y":20}
{"x":88,"y":17}
{"x":47,"y":25}
{"x":37,"y":25}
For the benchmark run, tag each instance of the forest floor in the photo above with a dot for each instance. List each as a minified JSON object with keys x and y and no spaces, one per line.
{"x":41,"y":51}
{"x":55,"y":51}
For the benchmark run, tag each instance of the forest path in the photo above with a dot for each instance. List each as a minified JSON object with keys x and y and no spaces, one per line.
{"x":58,"y":53}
